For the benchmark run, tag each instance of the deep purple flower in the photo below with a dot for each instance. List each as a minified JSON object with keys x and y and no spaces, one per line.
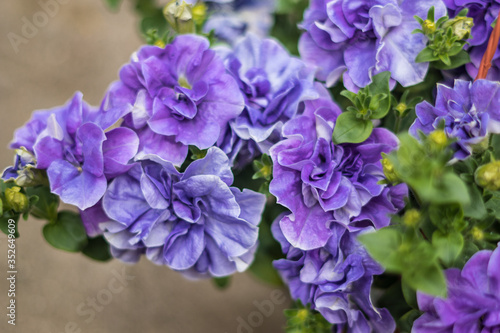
{"x":70,"y":142}
{"x":323,"y":184}
{"x":473,"y":302}
{"x":484,"y":13}
{"x":469,"y":110}
{"x":362,"y":38}
{"x":274,"y":84}
{"x":336,"y":280}
{"x":193,"y":222}
{"x":177,"y":96}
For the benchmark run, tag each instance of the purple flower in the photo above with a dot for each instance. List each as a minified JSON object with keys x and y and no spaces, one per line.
{"x":473,"y":302}
{"x":484,"y":13}
{"x":274,"y":84}
{"x":469,"y":111}
{"x":70,"y":143}
{"x":362,"y":38}
{"x":176,"y":96}
{"x":193,"y":222}
{"x":323,"y":184}
{"x":336,"y":280}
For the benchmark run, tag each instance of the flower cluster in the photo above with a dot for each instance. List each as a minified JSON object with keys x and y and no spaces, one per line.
{"x":70,"y":142}
{"x":483,"y":13}
{"x":336,"y":279}
{"x":333,"y":193}
{"x":273,"y":84}
{"x":193,"y":222}
{"x":362,"y":38}
{"x":473,"y":302}
{"x":469,"y":112}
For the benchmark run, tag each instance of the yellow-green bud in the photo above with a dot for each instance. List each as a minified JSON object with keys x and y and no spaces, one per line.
{"x":302,"y":314}
{"x":488,"y":176}
{"x":199,"y":13}
{"x":401,"y":108}
{"x":477,"y":234}
{"x":460,"y":26}
{"x":160,"y":43}
{"x":15,"y":199}
{"x":412,"y":218}
{"x":428,"y":27}
{"x":389,"y":172}
{"x":180,"y":17}
{"x":481,"y":146}
{"x":438,"y":139}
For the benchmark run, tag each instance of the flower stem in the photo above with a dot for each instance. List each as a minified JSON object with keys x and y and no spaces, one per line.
{"x":490,"y":51}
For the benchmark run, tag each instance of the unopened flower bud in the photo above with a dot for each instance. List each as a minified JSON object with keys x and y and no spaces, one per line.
{"x":411,"y":218}
{"x":15,"y":199}
{"x":488,"y":176}
{"x":438,"y":139}
{"x":477,"y":234}
{"x":428,"y":27}
{"x":180,"y":17}
{"x":199,"y":12}
{"x":481,"y":146}
{"x":389,"y":172}
{"x":460,"y":26}
{"x":401,"y":108}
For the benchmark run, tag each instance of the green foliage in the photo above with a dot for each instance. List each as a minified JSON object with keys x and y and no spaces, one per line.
{"x":412,"y":257}
{"x":223,"y":282}
{"x":98,"y":249}
{"x":447,"y":38}
{"x":304,"y":320}
{"x":113,"y":4}
{"x":371,"y":102}
{"x":66,"y":233}
{"x":424,"y":168}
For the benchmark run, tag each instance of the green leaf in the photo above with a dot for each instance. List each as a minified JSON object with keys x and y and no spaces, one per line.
{"x":462,"y":58}
{"x":409,"y":295}
{"x":98,"y":249}
{"x":386,"y":255}
{"x":428,"y":279}
{"x":380,"y":86}
{"x":349,"y":95}
{"x":67,"y":233}
{"x":351,"y":129}
{"x":4,"y":223}
{"x":222,"y":282}
{"x":113,"y":4}
{"x":493,"y":205}
{"x":262,"y":267}
{"x":476,"y":208}
{"x":46,"y":206}
{"x":448,"y":246}
{"x":449,"y":188}
{"x":405,"y":323}
{"x":426,"y":55}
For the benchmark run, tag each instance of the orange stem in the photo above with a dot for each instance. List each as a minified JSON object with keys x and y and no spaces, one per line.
{"x":485,"y":65}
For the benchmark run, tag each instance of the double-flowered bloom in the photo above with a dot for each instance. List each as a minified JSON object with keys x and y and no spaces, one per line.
{"x":358,"y":39}
{"x":273,"y":84}
{"x":470,"y":111}
{"x":333,"y":194}
{"x":193,"y":222}
{"x":473,"y":302}
{"x":175,"y":96}
{"x":72,"y":144}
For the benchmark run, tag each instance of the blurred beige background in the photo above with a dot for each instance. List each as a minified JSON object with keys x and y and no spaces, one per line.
{"x":82,"y":48}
